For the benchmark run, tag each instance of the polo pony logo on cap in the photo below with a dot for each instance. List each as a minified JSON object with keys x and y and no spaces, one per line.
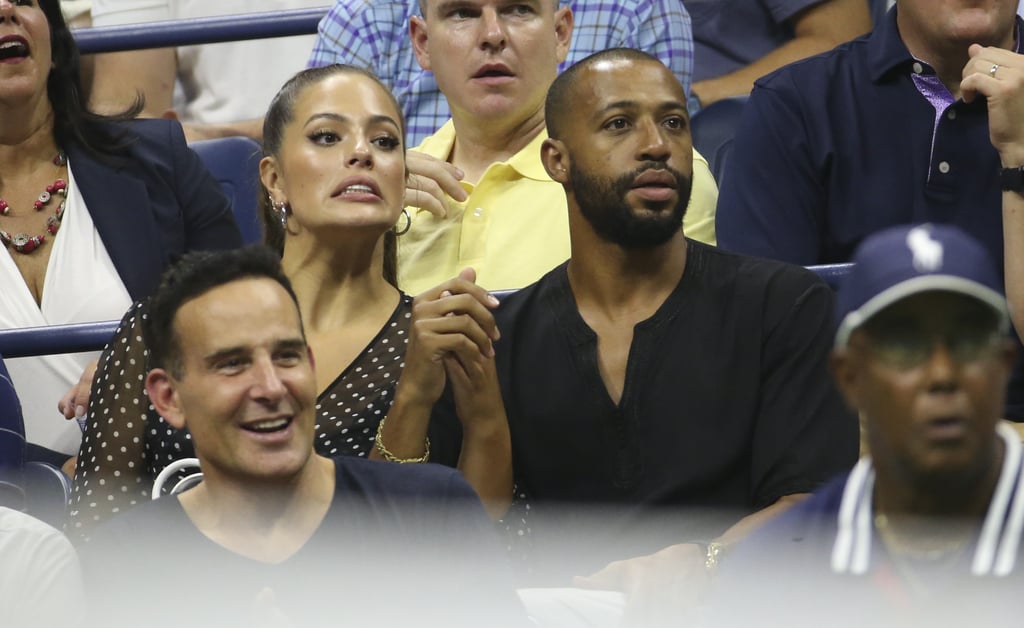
{"x":927,"y":252}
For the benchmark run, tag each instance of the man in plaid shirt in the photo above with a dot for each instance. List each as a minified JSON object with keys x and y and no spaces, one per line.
{"x":375,"y":34}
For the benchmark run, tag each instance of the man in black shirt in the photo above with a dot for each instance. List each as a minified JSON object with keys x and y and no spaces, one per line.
{"x":657,"y":389}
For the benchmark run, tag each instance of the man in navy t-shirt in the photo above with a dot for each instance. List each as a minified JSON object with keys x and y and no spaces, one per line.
{"x":275,"y":533}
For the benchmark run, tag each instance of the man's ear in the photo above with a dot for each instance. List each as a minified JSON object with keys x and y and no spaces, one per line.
{"x":163,"y":394}
{"x":418,"y":35}
{"x":844,"y":373}
{"x":1008,"y":355}
{"x":271,"y":178}
{"x":563,"y":31}
{"x":555,"y":159}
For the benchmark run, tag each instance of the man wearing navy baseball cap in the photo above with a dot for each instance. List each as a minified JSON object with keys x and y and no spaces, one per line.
{"x":928,"y":525}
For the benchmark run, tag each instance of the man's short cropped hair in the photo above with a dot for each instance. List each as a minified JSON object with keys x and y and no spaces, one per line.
{"x":559,"y":106}
{"x":195,"y":274}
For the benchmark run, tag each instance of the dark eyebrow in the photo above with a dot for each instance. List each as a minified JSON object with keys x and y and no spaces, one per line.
{"x":337,"y":117}
{"x":619,"y":104}
{"x":532,"y":3}
{"x":444,"y":7}
{"x":211,"y":359}
{"x":671,"y":105}
{"x":215,"y":357}
{"x":297,"y":344}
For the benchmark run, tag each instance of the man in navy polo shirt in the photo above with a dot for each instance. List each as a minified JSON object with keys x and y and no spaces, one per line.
{"x":873,"y":134}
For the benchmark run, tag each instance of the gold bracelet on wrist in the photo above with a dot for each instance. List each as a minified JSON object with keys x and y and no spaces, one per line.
{"x":378,"y":442}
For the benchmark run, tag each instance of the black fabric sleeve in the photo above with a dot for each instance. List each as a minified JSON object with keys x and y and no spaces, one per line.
{"x":112,"y":469}
{"x":804,"y":433}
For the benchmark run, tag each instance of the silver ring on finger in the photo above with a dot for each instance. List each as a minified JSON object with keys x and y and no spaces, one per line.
{"x":992,"y":70}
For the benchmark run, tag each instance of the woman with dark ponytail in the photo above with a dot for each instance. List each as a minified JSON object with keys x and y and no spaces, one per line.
{"x":333,"y":182}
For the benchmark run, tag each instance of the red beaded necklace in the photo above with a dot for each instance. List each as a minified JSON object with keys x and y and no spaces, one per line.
{"x":24,"y":243}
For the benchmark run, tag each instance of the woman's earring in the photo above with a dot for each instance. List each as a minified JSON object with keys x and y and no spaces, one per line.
{"x":408,"y":223}
{"x":282,"y":212}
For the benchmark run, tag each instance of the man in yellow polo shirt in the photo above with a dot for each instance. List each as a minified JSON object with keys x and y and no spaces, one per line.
{"x":496,"y":209}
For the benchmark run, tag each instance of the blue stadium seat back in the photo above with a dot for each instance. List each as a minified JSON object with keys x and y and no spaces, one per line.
{"x":833,"y":274}
{"x":713,"y":129}
{"x":12,"y":444}
{"x":40,"y":489}
{"x":47,"y":493}
{"x":501,"y":294}
{"x":235,"y":163}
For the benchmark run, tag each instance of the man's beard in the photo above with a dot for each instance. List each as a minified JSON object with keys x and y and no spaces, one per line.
{"x":602,"y":201}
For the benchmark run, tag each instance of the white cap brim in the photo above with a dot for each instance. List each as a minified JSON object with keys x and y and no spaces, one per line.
{"x":917,"y":285}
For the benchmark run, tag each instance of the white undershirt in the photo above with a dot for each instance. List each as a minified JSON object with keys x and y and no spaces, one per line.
{"x":81,"y":285}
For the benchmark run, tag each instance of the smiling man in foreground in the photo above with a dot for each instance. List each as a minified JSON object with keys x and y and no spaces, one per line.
{"x":274,"y":530}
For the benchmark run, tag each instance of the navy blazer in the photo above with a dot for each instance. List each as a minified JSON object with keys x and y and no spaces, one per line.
{"x":154,"y":203}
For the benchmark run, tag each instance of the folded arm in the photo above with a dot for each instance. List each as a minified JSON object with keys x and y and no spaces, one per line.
{"x":816,"y":29}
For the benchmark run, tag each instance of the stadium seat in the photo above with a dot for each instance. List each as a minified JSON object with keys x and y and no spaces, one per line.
{"x":12,"y":445}
{"x":185,"y":479}
{"x":713,"y":129}
{"x":235,"y":163}
{"x":47,"y":493}
{"x":40,"y":489}
{"x":833,"y":274}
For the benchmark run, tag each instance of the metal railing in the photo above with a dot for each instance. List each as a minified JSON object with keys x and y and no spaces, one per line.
{"x":16,"y":343}
{"x":207,"y":30}
{"x":74,"y":338}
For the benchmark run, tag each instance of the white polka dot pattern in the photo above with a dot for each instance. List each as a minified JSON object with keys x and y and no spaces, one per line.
{"x":126,"y":443}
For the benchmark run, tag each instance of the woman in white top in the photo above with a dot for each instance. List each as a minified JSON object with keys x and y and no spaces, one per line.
{"x":92,"y":208}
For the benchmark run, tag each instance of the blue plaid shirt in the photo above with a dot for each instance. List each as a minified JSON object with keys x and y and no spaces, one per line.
{"x":375,"y":34}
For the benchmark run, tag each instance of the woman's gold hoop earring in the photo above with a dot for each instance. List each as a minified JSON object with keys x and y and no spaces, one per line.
{"x":408,"y":223}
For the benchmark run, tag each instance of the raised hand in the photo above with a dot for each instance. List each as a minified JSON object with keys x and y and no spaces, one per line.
{"x":431,"y":182}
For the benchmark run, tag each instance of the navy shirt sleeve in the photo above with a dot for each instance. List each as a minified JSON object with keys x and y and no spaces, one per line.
{"x":773,"y":203}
